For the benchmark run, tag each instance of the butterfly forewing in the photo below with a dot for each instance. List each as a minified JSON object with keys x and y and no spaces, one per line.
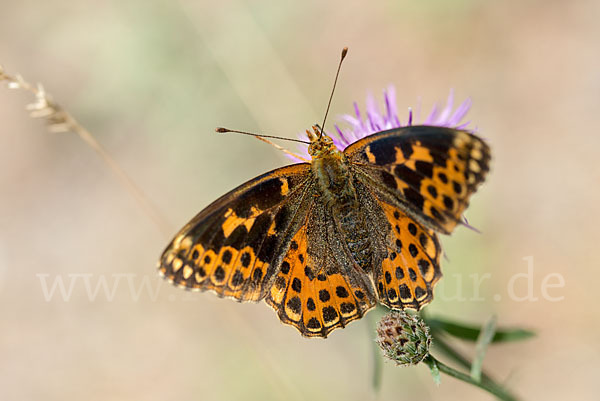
{"x":231,"y":247}
{"x":429,"y":171}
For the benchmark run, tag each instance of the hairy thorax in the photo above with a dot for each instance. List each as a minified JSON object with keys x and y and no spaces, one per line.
{"x":334,"y":179}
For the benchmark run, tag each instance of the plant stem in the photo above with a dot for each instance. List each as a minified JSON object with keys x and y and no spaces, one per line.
{"x":446,"y":348}
{"x":377,"y":359}
{"x":486,"y":385}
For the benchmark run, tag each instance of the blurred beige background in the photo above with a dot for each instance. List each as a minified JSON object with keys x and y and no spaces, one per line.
{"x":152,"y":79}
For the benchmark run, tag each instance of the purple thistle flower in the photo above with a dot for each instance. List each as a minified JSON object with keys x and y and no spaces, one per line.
{"x":375,"y":120}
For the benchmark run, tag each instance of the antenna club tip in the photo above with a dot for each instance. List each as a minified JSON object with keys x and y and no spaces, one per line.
{"x":221,"y":130}
{"x":344,"y":52}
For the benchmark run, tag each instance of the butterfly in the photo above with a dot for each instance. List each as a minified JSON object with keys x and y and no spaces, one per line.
{"x":323,"y":242}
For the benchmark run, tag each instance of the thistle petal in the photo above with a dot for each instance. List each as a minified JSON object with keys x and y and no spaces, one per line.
{"x":373,"y":120}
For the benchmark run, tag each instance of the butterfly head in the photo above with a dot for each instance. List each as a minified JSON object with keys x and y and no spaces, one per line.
{"x":321,"y":145}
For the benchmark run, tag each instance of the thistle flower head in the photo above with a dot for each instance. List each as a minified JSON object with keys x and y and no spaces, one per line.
{"x":373,"y":119}
{"x":403,"y":338}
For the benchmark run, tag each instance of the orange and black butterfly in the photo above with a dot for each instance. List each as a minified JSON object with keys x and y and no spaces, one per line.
{"x":323,"y":242}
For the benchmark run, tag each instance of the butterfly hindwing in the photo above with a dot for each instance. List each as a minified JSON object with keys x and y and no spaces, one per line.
{"x":317,"y":288}
{"x":430,"y":171}
{"x":411,"y":267}
{"x":406,"y":262}
{"x":231,"y":246}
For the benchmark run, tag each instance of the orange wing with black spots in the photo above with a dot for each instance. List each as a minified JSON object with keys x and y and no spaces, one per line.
{"x":322,"y":243}
{"x":231,"y":247}
{"x":430,"y":172}
{"x":411,"y":267}
{"x":317,"y":290}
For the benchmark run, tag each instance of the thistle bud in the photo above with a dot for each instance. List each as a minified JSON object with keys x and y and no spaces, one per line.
{"x":403,"y":338}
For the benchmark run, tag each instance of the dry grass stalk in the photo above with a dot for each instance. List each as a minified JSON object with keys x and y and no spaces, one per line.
{"x":59,"y":120}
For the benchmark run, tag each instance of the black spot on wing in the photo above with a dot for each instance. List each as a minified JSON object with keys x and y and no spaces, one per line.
{"x":245,"y":259}
{"x":424,"y":168}
{"x":226,"y":257}
{"x":448,"y":202}
{"x":347,"y":307}
{"x":295,"y":304}
{"x":423,"y":266}
{"x":329,"y":313}
{"x":219,"y":273}
{"x":309,"y":273}
{"x":313,"y":323}
{"x":404,"y":291}
{"x":412,"y":274}
{"x":324,"y":295}
{"x":341,"y":292}
{"x":408,"y":175}
{"x":457,"y":187}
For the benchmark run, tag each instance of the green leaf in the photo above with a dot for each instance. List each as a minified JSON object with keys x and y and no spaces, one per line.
{"x":471,"y":333}
{"x":485,"y":338}
{"x":440,"y":344}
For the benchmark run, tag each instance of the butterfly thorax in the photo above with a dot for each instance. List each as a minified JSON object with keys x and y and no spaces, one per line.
{"x":330,"y":167}
{"x":335,"y":184}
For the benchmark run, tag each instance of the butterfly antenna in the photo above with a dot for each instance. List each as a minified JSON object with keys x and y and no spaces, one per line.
{"x":263,"y":138}
{"x":344,"y":52}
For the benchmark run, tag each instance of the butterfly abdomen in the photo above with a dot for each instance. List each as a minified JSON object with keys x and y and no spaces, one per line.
{"x":356,"y":235}
{"x":339,"y":195}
